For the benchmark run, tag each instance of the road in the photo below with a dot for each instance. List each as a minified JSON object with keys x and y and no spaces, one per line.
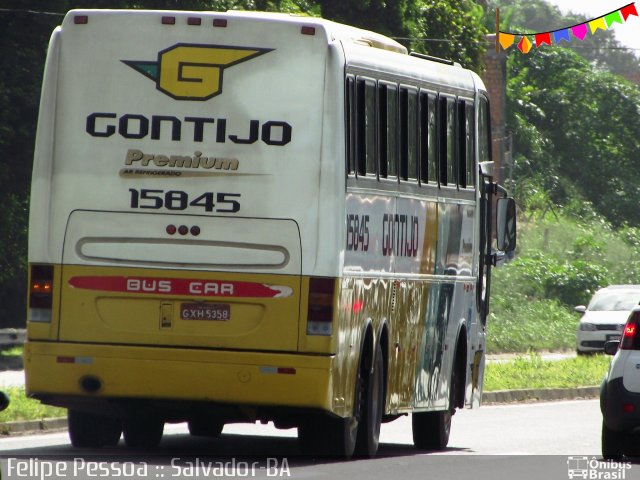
{"x":531,"y":441}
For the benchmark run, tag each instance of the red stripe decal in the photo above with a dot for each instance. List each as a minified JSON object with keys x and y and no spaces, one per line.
{"x":180,"y":286}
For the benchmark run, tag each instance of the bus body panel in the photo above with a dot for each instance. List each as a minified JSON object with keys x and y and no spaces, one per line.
{"x":189,"y":192}
{"x":161,"y":373}
{"x":233,"y":155}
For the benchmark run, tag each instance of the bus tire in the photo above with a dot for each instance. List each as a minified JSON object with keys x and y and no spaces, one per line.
{"x":200,"y":428}
{"x":88,"y":430}
{"x":143,"y":432}
{"x":324,"y":435}
{"x":431,"y":429}
{"x":371,"y":408}
{"x":112,"y":433}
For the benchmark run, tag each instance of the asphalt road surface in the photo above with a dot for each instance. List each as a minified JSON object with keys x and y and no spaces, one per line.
{"x":527,"y":441}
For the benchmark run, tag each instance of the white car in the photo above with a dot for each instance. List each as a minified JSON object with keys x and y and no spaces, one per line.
{"x":620,"y":393}
{"x":604,"y":318}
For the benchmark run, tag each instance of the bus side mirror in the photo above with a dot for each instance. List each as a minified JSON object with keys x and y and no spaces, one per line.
{"x":4,"y":401}
{"x":506,"y":224}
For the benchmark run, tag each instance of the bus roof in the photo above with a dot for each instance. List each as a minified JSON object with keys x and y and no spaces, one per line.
{"x":334,"y":31}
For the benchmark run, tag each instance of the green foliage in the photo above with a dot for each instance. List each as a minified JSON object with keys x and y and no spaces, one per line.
{"x":518,"y":324}
{"x":23,"y":408}
{"x":394,"y":17}
{"x":534,"y":372}
{"x":12,"y":352}
{"x":601,"y":50}
{"x":453,"y":30}
{"x":560,"y":263}
{"x":573,"y":132}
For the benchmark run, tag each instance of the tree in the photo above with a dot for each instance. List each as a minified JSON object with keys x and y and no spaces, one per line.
{"x":587,"y":135}
{"x":601,"y":50}
{"x":454,"y":30}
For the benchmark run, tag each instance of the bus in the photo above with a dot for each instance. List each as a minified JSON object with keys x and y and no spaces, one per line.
{"x":241,"y":217}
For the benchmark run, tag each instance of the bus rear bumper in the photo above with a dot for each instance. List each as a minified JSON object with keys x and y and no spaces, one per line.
{"x":65,"y":373}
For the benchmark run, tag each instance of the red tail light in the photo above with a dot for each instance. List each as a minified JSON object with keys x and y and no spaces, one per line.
{"x":40,"y":293}
{"x":320,"y":309}
{"x":630,"y":338}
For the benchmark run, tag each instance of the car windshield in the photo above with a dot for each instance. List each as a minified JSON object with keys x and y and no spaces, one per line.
{"x":614,"y":301}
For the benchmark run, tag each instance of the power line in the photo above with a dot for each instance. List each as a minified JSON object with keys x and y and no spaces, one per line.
{"x":34,"y":12}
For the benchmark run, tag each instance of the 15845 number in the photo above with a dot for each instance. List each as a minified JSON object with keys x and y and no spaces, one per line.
{"x":178,"y":200}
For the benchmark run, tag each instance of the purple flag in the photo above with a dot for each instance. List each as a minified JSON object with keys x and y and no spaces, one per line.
{"x":580,"y":31}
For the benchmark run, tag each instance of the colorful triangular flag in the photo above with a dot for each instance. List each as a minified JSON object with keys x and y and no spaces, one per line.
{"x":613,"y":17}
{"x":629,"y":10}
{"x":561,"y":35}
{"x":506,"y":40}
{"x":596,"y":24}
{"x":524,"y":45}
{"x":579,"y":31}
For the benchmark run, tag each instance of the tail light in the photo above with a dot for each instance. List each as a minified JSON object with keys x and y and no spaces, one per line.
{"x":40,"y":293}
{"x":630,"y":335}
{"x":320,"y":309}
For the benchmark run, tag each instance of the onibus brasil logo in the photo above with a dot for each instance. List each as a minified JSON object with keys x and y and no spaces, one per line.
{"x":188,"y":71}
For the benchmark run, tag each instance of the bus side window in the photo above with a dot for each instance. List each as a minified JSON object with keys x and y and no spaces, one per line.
{"x":387,"y":129}
{"x":366,"y":127}
{"x":382,"y":129}
{"x":432,"y":171}
{"x":350,"y":124}
{"x":408,"y":133}
{"x":392,"y":130}
{"x":424,"y":137}
{"x":484,"y":140}
{"x":442,"y":140}
{"x":451,"y":142}
{"x":463,"y":138}
{"x":469,"y":144}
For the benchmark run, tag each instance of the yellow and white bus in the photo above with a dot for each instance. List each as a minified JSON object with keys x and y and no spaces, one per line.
{"x":246,"y":216}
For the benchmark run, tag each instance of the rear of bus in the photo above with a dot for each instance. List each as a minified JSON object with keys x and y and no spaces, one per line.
{"x":176,"y":203}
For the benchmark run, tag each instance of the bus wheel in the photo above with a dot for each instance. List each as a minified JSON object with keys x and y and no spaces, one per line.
{"x":112,"y":433}
{"x":143,"y":432}
{"x":87,"y":430}
{"x":206,"y":428}
{"x":372,"y":407}
{"x":328,"y":436}
{"x":431,"y":429}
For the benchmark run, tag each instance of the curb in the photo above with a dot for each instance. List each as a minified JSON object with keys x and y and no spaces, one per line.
{"x":499,"y":397}
{"x":539,"y":395}
{"x":29,"y":427}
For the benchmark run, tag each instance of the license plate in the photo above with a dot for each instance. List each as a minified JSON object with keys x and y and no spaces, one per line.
{"x":613,"y":337}
{"x":205,"y":311}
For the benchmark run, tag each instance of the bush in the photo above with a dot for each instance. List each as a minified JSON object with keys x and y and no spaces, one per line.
{"x":517,"y":324}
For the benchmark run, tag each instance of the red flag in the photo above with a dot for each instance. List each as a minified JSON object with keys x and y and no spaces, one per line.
{"x":543,"y":38}
{"x":629,"y":10}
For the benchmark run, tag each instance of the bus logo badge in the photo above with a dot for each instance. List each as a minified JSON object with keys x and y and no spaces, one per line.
{"x":191,"y":71}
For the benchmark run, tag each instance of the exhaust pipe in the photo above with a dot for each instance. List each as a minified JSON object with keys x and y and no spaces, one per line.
{"x":90,"y":384}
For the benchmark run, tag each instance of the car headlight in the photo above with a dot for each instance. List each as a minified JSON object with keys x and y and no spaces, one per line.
{"x":587,"y":327}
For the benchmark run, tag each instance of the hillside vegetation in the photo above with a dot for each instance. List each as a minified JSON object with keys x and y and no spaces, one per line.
{"x":561,"y":261}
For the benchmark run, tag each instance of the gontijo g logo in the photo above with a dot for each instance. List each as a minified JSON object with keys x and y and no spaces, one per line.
{"x":191,"y":71}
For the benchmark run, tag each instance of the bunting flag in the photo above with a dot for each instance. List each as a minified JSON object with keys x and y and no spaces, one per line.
{"x":579,"y":31}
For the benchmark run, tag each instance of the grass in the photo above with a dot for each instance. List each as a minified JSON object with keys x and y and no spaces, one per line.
{"x":23,"y":408}
{"x":520,"y":325}
{"x":532,"y":371}
{"x":12,"y":352}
